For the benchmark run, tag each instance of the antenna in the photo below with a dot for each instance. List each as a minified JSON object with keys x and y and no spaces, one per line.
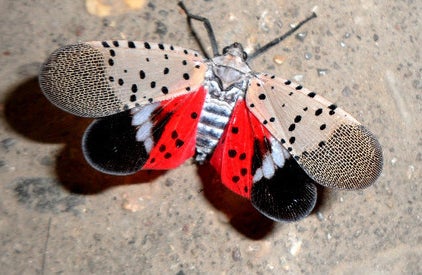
{"x":281,"y":38}
{"x":211,"y":36}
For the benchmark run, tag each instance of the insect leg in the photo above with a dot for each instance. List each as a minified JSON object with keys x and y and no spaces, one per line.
{"x":207,"y":26}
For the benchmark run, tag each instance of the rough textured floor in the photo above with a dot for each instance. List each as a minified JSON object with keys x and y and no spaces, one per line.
{"x":58,"y":215}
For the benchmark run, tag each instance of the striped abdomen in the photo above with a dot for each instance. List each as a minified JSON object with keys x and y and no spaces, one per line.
{"x":215,"y":114}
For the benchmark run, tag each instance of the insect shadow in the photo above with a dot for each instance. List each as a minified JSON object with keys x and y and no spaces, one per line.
{"x":30,"y":114}
{"x":238,"y":210}
{"x":240,"y":213}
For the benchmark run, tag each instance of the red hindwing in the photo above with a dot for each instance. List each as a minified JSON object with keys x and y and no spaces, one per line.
{"x":234,"y":157}
{"x":177,"y":121}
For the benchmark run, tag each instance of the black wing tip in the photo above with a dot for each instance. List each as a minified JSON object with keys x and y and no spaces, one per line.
{"x":287,"y":210}
{"x":289,"y":196}
{"x":109,"y":145}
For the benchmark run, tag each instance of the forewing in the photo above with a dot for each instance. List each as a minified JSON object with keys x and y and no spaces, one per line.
{"x":329,"y":144}
{"x":158,"y":136}
{"x":97,"y":79}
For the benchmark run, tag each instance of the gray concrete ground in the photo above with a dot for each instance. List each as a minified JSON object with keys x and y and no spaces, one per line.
{"x":60,"y":216}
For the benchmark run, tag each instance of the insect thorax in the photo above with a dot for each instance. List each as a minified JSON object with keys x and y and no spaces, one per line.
{"x":226,"y":81}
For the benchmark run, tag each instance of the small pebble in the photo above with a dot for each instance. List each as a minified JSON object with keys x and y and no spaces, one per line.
{"x":393,"y":161}
{"x":236,"y":255}
{"x":160,"y":28}
{"x":376,"y":37}
{"x":8,"y":142}
{"x":169,"y":182}
{"x":47,"y":161}
{"x":346,"y":91}
{"x":417,"y":84}
{"x":322,"y":72}
{"x":301,"y":36}
{"x":320,"y":216}
{"x":279,"y":59}
{"x":298,"y":77}
{"x":308,"y":56}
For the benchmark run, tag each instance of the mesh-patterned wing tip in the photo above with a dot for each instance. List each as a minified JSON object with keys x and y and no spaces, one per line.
{"x":74,"y":79}
{"x":350,"y":159}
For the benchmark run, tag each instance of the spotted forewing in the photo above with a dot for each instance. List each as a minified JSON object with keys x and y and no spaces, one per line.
{"x":97,"y":79}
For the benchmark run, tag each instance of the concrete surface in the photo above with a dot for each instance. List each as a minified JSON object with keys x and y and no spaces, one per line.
{"x":59,"y":216}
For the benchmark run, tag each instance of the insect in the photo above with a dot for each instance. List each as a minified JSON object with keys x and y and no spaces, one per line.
{"x":157,"y":105}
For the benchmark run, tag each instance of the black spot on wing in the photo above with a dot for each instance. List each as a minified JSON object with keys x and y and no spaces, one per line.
{"x":109,"y":145}
{"x":312,"y":94}
{"x":290,"y":195}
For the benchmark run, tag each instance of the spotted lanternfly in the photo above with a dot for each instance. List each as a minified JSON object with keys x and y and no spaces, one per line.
{"x":157,"y":105}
